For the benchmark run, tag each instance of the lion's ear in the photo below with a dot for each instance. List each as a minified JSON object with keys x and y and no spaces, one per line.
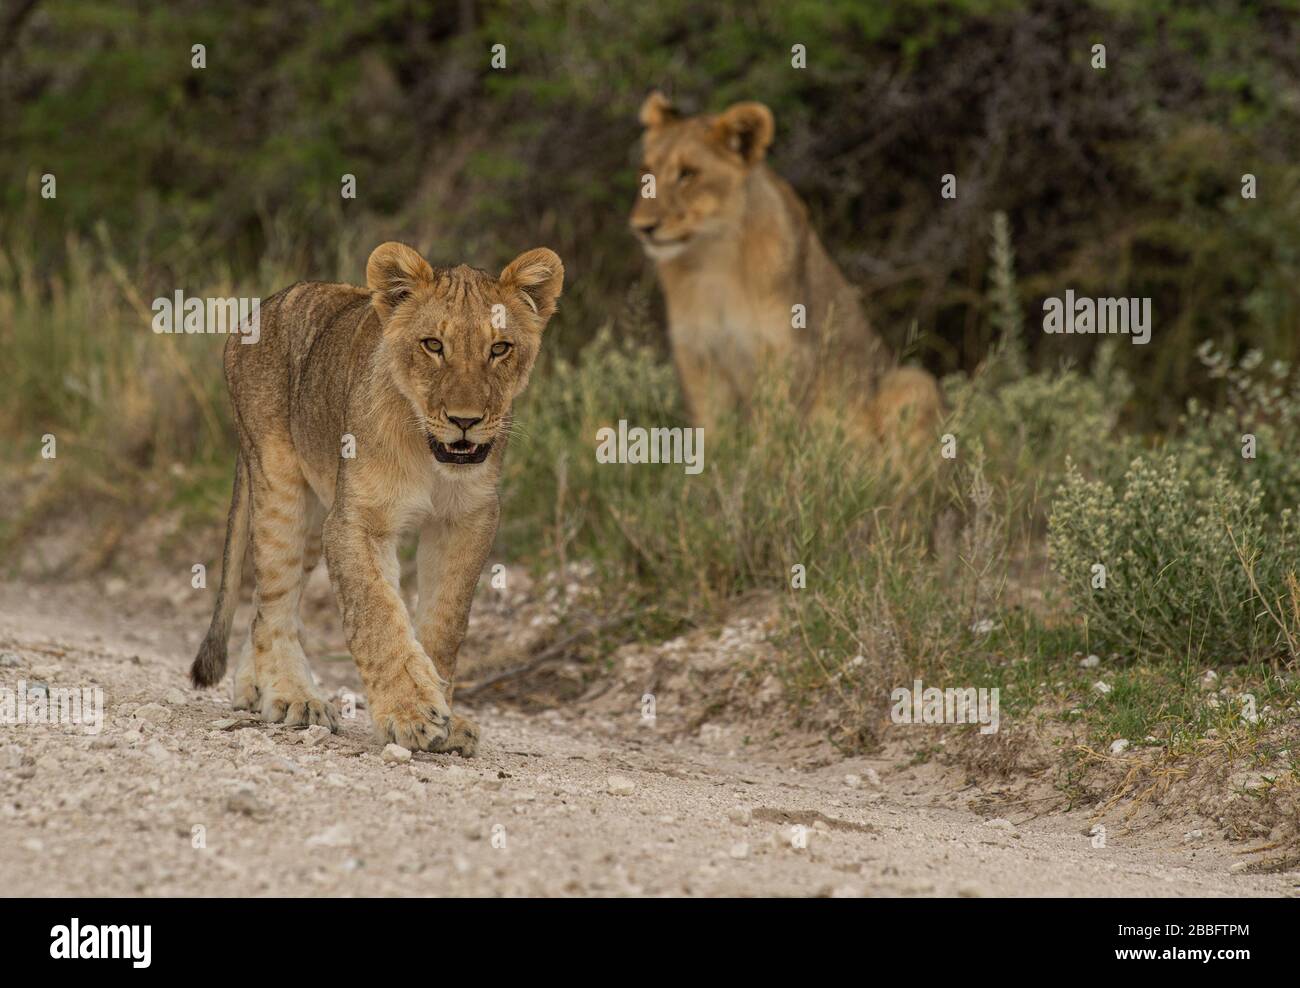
{"x":657,"y":110}
{"x":747,"y":129}
{"x":537,"y":275}
{"x":393,"y":272}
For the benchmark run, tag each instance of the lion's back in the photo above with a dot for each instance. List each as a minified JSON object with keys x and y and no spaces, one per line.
{"x":309,"y":339}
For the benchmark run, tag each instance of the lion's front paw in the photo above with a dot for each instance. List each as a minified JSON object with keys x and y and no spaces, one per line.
{"x":462,"y":737}
{"x":413,"y":713}
{"x":297,"y":705}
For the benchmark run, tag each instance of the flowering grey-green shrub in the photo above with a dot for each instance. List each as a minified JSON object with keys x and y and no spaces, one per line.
{"x":1260,"y":402}
{"x":1195,"y":567}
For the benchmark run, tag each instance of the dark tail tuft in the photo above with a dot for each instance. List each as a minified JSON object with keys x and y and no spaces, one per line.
{"x":210,"y":664}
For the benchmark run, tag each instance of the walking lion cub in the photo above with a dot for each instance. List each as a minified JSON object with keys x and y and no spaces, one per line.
{"x":749,"y":286}
{"x":364,"y":413}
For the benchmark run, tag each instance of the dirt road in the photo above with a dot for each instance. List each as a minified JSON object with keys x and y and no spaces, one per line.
{"x":167,"y":800}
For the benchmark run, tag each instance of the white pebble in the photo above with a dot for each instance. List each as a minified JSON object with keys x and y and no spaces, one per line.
{"x":153,"y":713}
{"x":314,"y":735}
{"x":395,"y":754}
{"x":621,"y":785}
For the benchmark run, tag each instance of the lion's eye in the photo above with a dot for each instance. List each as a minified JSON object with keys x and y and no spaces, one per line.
{"x":686,"y":174}
{"x":431,"y":345}
{"x":500,"y":348}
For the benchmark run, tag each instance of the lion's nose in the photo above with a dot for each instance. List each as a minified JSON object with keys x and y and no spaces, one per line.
{"x":465,"y":423}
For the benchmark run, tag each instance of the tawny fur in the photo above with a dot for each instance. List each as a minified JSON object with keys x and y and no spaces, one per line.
{"x":735,"y":253}
{"x":340,"y":368}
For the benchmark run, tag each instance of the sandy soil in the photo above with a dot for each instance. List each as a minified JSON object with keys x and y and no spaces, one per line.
{"x":567,"y":802}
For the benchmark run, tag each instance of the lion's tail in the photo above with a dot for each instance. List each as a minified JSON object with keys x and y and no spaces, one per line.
{"x":210,"y":664}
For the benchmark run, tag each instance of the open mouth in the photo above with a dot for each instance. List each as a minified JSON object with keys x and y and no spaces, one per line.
{"x":663,"y":249}
{"x":461,"y":451}
{"x":666,"y":241}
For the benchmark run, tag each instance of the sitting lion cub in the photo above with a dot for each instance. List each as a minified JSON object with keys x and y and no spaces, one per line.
{"x":364,"y":413}
{"x":735,"y":256}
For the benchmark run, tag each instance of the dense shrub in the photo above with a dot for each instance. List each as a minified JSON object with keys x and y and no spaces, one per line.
{"x":1198,"y":539}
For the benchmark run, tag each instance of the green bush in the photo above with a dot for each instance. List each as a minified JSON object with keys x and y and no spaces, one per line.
{"x":1194,"y":566}
{"x":1259,"y":403}
{"x":1198,"y":539}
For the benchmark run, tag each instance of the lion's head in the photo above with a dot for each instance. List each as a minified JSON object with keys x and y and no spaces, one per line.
{"x":699,"y":165}
{"x":460,"y":343}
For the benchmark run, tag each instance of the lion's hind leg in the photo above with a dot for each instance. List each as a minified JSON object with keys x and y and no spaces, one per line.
{"x":904,"y":416}
{"x":285,"y":511}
